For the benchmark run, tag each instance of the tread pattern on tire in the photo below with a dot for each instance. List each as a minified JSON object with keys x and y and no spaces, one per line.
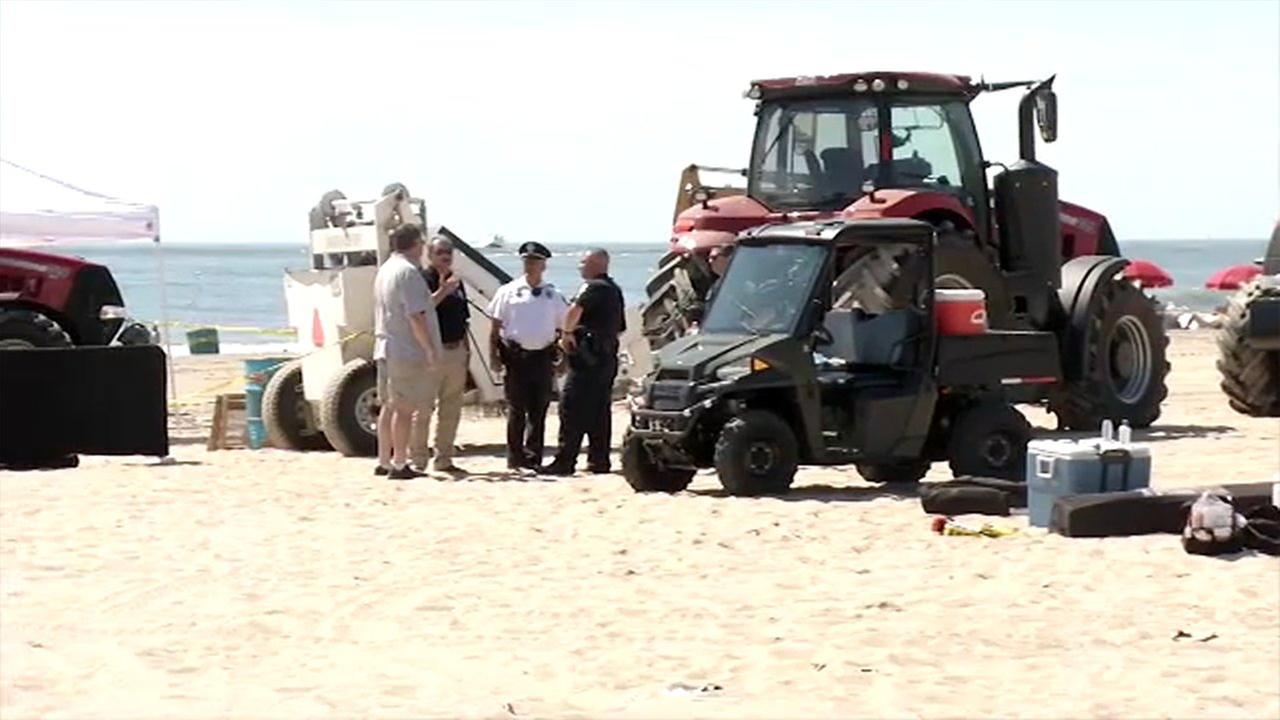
{"x":1081,"y":404}
{"x":335,"y":425}
{"x":33,"y":327}
{"x":1250,"y":377}
{"x":283,"y":430}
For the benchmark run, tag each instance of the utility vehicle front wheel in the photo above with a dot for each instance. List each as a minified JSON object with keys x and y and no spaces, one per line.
{"x":644,"y":475}
{"x":756,"y":454}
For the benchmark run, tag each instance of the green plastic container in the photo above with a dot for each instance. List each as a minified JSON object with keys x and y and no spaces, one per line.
{"x":203,"y":341}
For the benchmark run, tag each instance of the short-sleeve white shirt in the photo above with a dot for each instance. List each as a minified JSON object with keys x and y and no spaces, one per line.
{"x":527,"y":319}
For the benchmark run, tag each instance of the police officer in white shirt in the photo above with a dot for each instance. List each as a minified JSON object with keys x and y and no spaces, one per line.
{"x":528,"y":314}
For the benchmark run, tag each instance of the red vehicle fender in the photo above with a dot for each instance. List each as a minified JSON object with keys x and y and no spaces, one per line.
{"x":35,"y":278}
{"x":1084,"y":232}
{"x":926,"y":205}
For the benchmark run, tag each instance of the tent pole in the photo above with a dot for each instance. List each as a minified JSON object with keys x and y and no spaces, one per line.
{"x":164,"y":320}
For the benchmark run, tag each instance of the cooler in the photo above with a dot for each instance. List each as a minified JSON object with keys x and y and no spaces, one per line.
{"x":960,"y":311}
{"x":1058,"y":468}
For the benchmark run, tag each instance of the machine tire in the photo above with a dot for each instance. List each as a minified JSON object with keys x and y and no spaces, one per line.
{"x":1250,"y":377}
{"x":878,"y":280}
{"x":341,"y":407}
{"x":286,"y":413}
{"x":27,"y":329}
{"x":643,"y":475}
{"x":989,"y":439}
{"x":1121,"y":316}
{"x":899,"y":472}
{"x":756,"y":454}
{"x":675,"y":292}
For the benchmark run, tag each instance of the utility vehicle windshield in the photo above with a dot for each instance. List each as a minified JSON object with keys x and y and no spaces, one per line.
{"x":818,"y":154}
{"x":765,"y":290}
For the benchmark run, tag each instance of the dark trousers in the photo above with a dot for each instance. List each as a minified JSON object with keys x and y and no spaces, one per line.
{"x":528,"y":390}
{"x":584,"y":410}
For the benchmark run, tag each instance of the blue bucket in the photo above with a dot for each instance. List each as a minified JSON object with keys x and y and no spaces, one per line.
{"x":256,"y":374}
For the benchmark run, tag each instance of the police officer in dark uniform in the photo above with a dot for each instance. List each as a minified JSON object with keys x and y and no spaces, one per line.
{"x":594,"y":321}
{"x":528,"y":314}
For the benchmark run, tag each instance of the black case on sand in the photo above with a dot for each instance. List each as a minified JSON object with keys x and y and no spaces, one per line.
{"x":1142,"y":512}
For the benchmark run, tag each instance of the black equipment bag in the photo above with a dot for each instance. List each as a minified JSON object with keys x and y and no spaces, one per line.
{"x":1141,"y":512}
{"x":85,"y":400}
{"x":973,"y":494}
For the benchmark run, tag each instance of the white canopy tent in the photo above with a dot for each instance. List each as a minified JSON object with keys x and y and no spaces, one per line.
{"x":36,"y":209}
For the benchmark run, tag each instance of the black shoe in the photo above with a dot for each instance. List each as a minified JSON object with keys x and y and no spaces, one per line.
{"x":404,"y":473}
{"x":380,"y":471}
{"x":599,"y":469}
{"x":556,"y":469}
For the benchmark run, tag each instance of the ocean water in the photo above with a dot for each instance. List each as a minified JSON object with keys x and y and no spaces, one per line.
{"x":239,"y":287}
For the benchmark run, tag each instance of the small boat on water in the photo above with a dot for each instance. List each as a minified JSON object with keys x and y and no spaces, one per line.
{"x":497,"y":242}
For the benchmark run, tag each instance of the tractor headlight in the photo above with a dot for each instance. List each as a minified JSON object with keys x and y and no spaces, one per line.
{"x":111,"y":312}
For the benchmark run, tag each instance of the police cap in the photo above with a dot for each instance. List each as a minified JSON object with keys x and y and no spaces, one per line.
{"x":534,"y":250}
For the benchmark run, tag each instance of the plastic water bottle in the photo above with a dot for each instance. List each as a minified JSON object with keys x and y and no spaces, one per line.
{"x":1126,"y":432}
{"x":1107,"y":430}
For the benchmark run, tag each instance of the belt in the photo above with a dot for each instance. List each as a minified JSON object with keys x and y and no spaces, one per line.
{"x":516,"y":347}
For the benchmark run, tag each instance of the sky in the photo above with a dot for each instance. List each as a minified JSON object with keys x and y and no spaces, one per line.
{"x":565,"y":122}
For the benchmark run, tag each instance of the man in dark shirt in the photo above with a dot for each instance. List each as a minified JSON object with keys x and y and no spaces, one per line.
{"x":592,"y":325}
{"x":450,"y":300}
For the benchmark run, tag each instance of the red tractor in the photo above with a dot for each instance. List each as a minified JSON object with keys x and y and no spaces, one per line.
{"x":904,"y":145}
{"x":53,"y":301}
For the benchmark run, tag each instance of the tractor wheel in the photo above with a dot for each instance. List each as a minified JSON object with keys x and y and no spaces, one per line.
{"x":756,"y":454}
{"x":675,"y":296}
{"x":899,"y":472}
{"x":1123,"y":363}
{"x":350,"y":410}
{"x":287,"y":414}
{"x":1250,"y":377}
{"x":878,"y":280}
{"x":989,"y":439}
{"x":644,"y":475}
{"x":26,"y":329}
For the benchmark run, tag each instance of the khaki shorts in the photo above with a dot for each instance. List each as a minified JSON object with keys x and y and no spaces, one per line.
{"x":406,"y":383}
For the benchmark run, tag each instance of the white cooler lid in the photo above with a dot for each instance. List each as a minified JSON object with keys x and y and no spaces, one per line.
{"x":944,"y":295}
{"x":1084,"y":449}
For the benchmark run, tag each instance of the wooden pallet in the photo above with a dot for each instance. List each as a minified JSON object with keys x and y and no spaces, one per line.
{"x":229,"y":430}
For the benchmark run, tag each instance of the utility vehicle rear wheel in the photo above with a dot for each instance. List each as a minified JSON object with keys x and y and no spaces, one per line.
{"x":756,"y":454}
{"x":901,"y":472}
{"x":1250,"y":376}
{"x":989,"y":439}
{"x":287,"y":414}
{"x":644,"y":475}
{"x":1122,"y":361}
{"x":350,"y":410}
{"x":26,"y":329}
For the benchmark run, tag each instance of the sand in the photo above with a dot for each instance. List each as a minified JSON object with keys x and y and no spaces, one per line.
{"x":273,"y":584}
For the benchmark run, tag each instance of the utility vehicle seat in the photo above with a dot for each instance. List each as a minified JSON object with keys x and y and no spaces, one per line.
{"x":887,"y":339}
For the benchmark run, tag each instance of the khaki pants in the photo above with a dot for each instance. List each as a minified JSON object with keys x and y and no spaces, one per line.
{"x":447,"y":401}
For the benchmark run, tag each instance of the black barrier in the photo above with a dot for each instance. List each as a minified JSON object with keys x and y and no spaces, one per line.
{"x":85,"y":400}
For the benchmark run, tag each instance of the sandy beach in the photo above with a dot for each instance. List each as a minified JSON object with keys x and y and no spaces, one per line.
{"x":273,"y":584}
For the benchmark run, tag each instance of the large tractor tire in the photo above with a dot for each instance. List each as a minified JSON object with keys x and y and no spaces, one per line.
{"x":879,"y":280}
{"x":1250,"y":376}
{"x":287,"y":414}
{"x":1122,"y":361}
{"x":675,"y":298}
{"x":989,"y":439}
{"x":756,"y":454}
{"x":27,"y":329}
{"x":644,"y":475}
{"x":349,"y":412}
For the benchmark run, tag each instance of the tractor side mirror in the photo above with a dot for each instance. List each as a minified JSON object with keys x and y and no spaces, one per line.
{"x":1047,"y":114}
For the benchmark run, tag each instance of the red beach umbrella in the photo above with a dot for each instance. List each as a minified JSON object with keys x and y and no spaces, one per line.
{"x":1233,"y":278}
{"x":1148,"y":274}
